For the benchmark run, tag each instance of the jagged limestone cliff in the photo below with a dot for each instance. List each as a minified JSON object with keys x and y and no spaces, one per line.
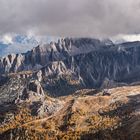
{"x":88,"y":60}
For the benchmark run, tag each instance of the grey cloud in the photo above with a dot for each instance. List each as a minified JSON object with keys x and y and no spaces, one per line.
{"x":94,"y":18}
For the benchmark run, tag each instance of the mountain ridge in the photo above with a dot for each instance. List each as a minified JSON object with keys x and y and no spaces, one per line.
{"x":90,"y":61}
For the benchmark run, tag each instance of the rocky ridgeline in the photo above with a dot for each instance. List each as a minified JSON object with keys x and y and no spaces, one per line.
{"x":89,"y":62}
{"x":44,"y":54}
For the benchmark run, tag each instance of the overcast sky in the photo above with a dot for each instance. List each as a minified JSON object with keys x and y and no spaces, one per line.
{"x":80,"y":18}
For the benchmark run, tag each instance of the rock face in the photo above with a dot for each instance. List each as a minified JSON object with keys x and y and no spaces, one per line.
{"x":14,"y":90}
{"x":88,"y":60}
{"x":32,"y":91}
{"x":44,"y":54}
{"x":35,"y":87}
{"x":119,"y":64}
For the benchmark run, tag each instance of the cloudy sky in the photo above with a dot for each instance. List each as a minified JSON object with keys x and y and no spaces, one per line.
{"x":74,"y":18}
{"x":94,"y":18}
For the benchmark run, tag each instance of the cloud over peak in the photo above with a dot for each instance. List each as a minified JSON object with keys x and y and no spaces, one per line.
{"x":93,"y":18}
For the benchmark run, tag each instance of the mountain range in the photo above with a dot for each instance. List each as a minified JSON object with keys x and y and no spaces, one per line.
{"x":75,"y":88}
{"x":90,"y":61}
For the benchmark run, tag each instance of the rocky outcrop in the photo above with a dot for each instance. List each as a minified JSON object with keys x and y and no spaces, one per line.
{"x":32,"y":92}
{"x":35,"y":87}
